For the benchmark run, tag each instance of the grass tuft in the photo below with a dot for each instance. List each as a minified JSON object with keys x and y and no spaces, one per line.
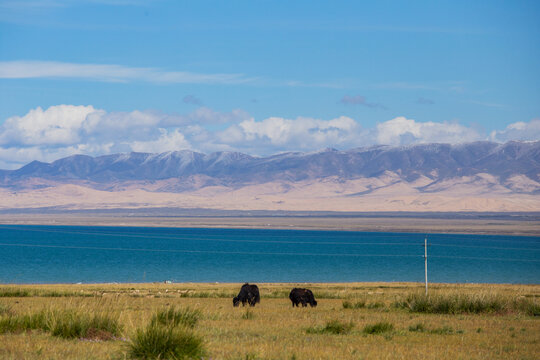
{"x":357,"y":305}
{"x":165,"y":342}
{"x":375,"y":305}
{"x":65,"y":324}
{"x":20,"y":323}
{"x":378,"y":328}
{"x":417,"y":328}
{"x":248,"y":315}
{"x":445,"y":330}
{"x":332,"y":327}
{"x":72,"y":325}
{"x":465,"y":304}
{"x":5,"y":309}
{"x":13,"y":292}
{"x":527,"y":306}
{"x":174,"y":317}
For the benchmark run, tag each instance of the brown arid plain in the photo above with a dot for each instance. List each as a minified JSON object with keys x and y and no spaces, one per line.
{"x":275,"y":330}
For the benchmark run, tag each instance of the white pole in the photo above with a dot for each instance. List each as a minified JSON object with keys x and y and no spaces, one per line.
{"x":425,"y":259}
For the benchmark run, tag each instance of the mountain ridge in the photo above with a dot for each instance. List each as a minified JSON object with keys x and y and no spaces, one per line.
{"x":481,"y":176}
{"x":435,"y":161}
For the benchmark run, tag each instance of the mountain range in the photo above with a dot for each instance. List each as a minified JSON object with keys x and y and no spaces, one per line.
{"x":479,"y":176}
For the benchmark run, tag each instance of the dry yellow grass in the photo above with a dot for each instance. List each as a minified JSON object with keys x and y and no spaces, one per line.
{"x":278,"y":331}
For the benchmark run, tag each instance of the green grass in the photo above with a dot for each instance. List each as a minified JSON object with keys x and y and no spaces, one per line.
{"x":248,"y":315}
{"x":73,"y":325}
{"x":168,"y":336}
{"x":14,"y":292}
{"x":357,"y":305}
{"x":331,"y":327}
{"x":527,"y":306}
{"x":375,"y":305}
{"x":378,"y":328}
{"x":467,"y":304}
{"x":165,"y":342}
{"x":174,"y":317}
{"x":66,"y":324}
{"x":5,"y":309}
{"x":19,"y":323}
{"x":445,"y":330}
{"x":417,"y":328}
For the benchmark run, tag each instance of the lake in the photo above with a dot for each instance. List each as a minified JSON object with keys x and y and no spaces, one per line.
{"x":94,"y":254}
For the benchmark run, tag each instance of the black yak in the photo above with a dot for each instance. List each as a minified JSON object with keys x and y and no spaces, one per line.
{"x":302,"y":296}
{"x":248,"y":293}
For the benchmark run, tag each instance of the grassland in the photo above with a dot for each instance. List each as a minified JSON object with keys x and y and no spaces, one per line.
{"x":351,"y":321}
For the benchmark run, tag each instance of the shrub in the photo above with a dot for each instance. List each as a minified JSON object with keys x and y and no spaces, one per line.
{"x":378,"y":328}
{"x":332,"y":327}
{"x":175,"y":317}
{"x":165,"y":342}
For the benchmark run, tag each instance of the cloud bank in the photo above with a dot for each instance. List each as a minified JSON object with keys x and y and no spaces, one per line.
{"x":529,"y":131}
{"x":63,"y":130}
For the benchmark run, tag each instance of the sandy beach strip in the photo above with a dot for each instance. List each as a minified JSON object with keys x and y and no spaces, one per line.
{"x":492,"y":226}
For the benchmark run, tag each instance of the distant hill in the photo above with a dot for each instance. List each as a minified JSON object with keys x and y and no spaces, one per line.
{"x":481,"y":170}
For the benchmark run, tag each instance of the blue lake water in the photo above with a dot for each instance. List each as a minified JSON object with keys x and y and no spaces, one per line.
{"x":71,"y":254}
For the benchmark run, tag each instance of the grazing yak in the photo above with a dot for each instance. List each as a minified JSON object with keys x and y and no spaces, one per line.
{"x":302,"y":296}
{"x":248,"y":293}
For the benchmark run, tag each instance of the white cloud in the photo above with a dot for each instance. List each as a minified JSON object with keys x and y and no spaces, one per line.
{"x":120,"y":126}
{"x":518,"y":131}
{"x":402,"y":131}
{"x":110,"y":73}
{"x":58,"y":125}
{"x":302,"y":134}
{"x":15,"y":157}
{"x":64,"y":130}
{"x":167,"y":141}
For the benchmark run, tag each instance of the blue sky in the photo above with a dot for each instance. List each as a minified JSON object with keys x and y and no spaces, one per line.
{"x":263,"y":76}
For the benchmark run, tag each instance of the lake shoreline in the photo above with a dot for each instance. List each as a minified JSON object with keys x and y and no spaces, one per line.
{"x":407,"y":224}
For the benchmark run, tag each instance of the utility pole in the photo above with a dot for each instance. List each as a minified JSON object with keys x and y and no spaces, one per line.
{"x":425,"y":259}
